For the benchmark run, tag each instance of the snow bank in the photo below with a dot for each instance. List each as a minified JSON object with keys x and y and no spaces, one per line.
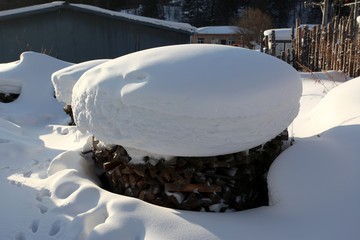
{"x":175,"y":101}
{"x":31,"y":77}
{"x":330,"y":111}
{"x":65,"y":79}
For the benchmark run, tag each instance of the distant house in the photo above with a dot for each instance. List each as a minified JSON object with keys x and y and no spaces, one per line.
{"x":77,"y":32}
{"x":226,"y":35}
{"x":283,"y":39}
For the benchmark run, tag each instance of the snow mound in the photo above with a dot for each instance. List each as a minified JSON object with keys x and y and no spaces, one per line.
{"x":30,"y":76}
{"x":65,"y":79}
{"x":300,"y":178}
{"x":331,"y":112}
{"x":174,"y":101}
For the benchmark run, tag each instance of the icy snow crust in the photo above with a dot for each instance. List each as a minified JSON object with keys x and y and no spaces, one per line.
{"x":50,"y":191}
{"x":188,"y":100}
{"x":65,"y":79}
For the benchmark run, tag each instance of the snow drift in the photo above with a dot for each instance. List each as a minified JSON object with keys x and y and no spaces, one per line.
{"x":30,"y":77}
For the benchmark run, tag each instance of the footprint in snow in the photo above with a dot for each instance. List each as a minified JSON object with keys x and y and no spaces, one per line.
{"x":34,"y":226}
{"x":43,"y":193}
{"x":16,"y":183}
{"x":27,"y":173}
{"x":43,"y":209}
{"x":20,"y":236}
{"x":55,"y":228}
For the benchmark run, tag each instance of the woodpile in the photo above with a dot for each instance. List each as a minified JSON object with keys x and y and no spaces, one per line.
{"x":68,"y":111}
{"x":8,"y":97}
{"x":230,"y":182}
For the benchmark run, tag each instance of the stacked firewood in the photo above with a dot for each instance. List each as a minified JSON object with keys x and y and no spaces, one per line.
{"x":230,"y":182}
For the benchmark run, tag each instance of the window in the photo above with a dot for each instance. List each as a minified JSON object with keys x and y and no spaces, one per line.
{"x":214,"y":41}
{"x":201,"y":40}
{"x":223,"y":41}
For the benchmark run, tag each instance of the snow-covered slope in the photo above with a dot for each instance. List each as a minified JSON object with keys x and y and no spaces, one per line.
{"x":50,"y":191}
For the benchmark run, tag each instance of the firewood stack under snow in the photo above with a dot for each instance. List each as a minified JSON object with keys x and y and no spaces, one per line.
{"x":189,"y":126}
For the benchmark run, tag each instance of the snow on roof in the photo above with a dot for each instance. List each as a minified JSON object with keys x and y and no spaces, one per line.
{"x":285,"y":33}
{"x":183,"y":27}
{"x":217,"y":30}
{"x":280,"y":33}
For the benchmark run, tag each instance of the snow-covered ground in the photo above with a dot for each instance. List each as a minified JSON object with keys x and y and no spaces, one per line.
{"x":49,"y":191}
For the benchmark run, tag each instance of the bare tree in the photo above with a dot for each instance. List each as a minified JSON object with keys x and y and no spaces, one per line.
{"x":251,"y":24}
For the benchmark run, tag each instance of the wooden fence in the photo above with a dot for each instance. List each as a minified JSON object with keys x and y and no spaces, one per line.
{"x":335,"y":46}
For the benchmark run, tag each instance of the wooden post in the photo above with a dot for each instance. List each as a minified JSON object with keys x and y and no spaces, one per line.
{"x":288,"y":56}
{"x":317,"y":47}
{"x":282,"y":55}
{"x":273,"y":43}
{"x":298,"y":43}
{"x":336,"y":57}
{"x":328,"y":46}
{"x":262,"y":41}
{"x":267,"y":44}
{"x":292,"y":46}
{"x":306,"y":47}
{"x":351,"y":60}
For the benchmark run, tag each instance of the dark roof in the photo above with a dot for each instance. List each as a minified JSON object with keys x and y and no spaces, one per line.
{"x":54,"y":6}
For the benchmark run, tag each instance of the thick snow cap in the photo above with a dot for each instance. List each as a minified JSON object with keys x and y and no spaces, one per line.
{"x":188,"y":100}
{"x":65,"y":79}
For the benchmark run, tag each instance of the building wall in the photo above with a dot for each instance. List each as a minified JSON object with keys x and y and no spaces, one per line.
{"x":77,"y":36}
{"x":226,"y":39}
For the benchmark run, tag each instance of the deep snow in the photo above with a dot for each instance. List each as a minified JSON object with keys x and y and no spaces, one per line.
{"x":50,"y":192}
{"x":182,"y":101}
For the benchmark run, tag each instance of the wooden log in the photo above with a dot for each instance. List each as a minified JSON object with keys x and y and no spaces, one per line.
{"x":110,"y":165}
{"x":173,"y":187}
{"x":139,"y":169}
{"x":165,"y":174}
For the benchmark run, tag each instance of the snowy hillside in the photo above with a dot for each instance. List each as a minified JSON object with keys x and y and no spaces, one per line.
{"x":51,"y":192}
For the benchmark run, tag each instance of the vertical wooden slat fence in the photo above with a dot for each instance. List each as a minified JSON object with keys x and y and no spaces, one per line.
{"x":335,"y":46}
